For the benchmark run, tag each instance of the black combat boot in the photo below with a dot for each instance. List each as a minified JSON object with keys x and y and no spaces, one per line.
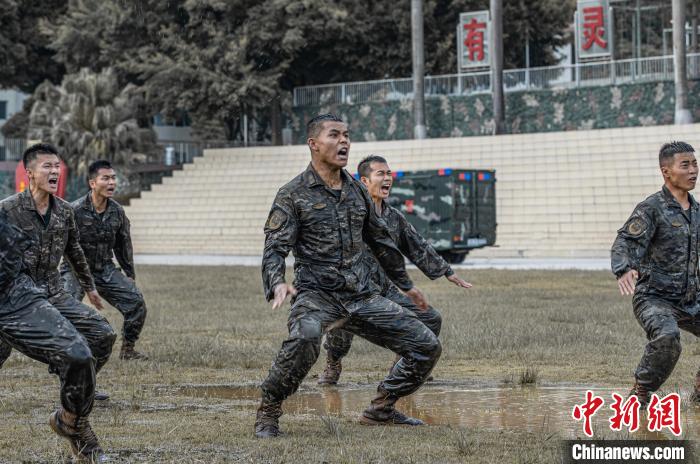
{"x":695,"y":396}
{"x":642,"y":393}
{"x":267,"y":419}
{"x":381,"y":412}
{"x":129,"y":353}
{"x":331,"y":373}
{"x":77,"y":431}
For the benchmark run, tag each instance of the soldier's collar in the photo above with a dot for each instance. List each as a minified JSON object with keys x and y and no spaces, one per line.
{"x":312,"y":178}
{"x":385,"y":207}
{"x":27,"y":200}
{"x":90,"y":206}
{"x":87,"y":201}
{"x":671,"y":200}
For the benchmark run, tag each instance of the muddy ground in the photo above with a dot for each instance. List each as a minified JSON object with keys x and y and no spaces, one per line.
{"x":560,"y":331}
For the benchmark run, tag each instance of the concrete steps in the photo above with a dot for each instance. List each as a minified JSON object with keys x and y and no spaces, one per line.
{"x":560,"y":194}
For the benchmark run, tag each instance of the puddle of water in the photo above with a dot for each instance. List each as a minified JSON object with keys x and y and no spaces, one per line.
{"x":540,"y":409}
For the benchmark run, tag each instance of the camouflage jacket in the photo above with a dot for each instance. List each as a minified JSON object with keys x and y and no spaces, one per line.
{"x":327,"y":235}
{"x":13,"y":244}
{"x":104,"y":237}
{"x":49,"y":243}
{"x":660,"y":241}
{"x":412,"y":245}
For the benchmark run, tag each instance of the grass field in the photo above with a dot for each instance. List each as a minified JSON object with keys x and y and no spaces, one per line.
{"x":211,"y":325}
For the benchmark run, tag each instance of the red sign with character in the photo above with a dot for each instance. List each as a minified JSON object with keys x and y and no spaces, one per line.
{"x":473,"y":40}
{"x":593,"y":29}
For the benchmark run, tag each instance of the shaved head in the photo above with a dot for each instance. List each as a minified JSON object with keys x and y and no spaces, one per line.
{"x":671,"y":149}
{"x":315,"y":125}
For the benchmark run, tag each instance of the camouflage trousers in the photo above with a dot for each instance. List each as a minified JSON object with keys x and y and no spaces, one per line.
{"x":73,"y":339}
{"x":374,"y":318}
{"x":662,"y":321}
{"x":119,"y":291}
{"x":338,"y":341}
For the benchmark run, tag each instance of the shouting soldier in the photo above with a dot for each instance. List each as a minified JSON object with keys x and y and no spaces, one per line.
{"x":324,"y":216}
{"x":104,"y":233}
{"x":376,"y":175}
{"x":36,"y":316}
{"x":655,"y":258}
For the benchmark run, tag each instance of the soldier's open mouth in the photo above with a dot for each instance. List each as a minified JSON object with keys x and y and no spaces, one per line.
{"x":53,"y":181}
{"x":386,"y":188}
{"x":343,"y":152}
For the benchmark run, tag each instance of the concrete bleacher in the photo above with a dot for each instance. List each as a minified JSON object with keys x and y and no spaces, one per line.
{"x":559,"y":194}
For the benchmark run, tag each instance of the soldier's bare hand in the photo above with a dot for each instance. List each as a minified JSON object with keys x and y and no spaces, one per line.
{"x":455,"y":279}
{"x":627,"y":282}
{"x":282,"y":291}
{"x":95,"y":300}
{"x":418,"y":298}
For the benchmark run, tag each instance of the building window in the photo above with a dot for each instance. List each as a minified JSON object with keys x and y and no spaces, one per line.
{"x":3,"y":109}
{"x":179,"y":119}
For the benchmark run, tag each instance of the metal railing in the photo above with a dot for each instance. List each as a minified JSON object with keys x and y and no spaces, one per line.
{"x":12,"y":149}
{"x":185,"y":151}
{"x":659,"y":68}
{"x":182,"y":151}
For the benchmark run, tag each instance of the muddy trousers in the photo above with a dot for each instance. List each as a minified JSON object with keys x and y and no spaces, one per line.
{"x":374,"y":318}
{"x":119,"y":291}
{"x":338,"y":341}
{"x":662,"y":321}
{"x":93,"y":327}
{"x":33,"y":326}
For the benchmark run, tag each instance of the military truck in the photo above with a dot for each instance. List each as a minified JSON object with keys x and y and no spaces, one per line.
{"x":454,"y":209}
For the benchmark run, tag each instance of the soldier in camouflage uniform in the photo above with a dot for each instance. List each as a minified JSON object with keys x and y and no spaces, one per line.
{"x":104,"y":232}
{"x":377,"y":177}
{"x":36,"y":317}
{"x":655,"y":258}
{"x":324,"y":215}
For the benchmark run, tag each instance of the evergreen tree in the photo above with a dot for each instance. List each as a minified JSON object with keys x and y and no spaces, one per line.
{"x":89,"y":117}
{"x":25,"y":59}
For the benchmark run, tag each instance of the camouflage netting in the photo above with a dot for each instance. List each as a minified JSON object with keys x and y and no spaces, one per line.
{"x":535,"y":111}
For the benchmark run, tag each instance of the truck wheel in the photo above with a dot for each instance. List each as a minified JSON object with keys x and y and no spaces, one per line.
{"x":452,"y":257}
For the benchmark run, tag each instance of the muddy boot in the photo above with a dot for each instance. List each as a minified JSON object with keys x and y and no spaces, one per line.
{"x":695,"y":396}
{"x":398,"y":357}
{"x":267,"y":419}
{"x":331,"y":373}
{"x":79,"y":434}
{"x":381,"y":412}
{"x":642,"y":393}
{"x":128,"y":353}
